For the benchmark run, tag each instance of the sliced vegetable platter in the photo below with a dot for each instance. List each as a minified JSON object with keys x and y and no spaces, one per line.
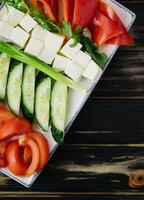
{"x":52,"y":54}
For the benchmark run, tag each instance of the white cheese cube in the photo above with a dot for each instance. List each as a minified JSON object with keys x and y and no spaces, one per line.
{"x":47,"y":55}
{"x":28,"y":23}
{"x":54,"y":41}
{"x":11,"y":15}
{"x":69,"y":51}
{"x":19,"y":37}
{"x":34,"y":46}
{"x":92,"y":72}
{"x":82,"y":59}
{"x":73,"y":71}
{"x":60,"y":62}
{"x":39,"y":33}
{"x":5,"y":31}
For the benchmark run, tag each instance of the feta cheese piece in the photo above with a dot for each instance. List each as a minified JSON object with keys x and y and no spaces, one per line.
{"x":11,"y":15}
{"x":73,"y":71}
{"x":82,"y":59}
{"x":39,"y":33}
{"x":54,"y":41}
{"x":5,"y":31}
{"x":34,"y":46}
{"x":60,"y":62}
{"x":69,"y":51}
{"x":28,"y":23}
{"x":47,"y":55}
{"x":92,"y":72}
{"x":19,"y":37}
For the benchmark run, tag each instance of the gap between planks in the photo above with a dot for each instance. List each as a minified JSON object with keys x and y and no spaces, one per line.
{"x":106,"y":145}
{"x":117,"y":98}
{"x":59,"y":194}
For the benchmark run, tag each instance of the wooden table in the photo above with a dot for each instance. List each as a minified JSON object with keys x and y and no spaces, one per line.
{"x":106,"y":142}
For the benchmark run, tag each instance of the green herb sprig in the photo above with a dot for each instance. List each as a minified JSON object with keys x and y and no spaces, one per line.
{"x":67,"y":30}
{"x":18,"y":4}
{"x":90,"y":47}
{"x":44,"y":21}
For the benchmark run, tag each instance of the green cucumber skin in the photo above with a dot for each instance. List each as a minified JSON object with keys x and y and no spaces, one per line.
{"x":26,"y":112}
{"x":40,"y":78}
{"x":57,"y":134}
{"x":3,"y":93}
{"x":13,"y":64}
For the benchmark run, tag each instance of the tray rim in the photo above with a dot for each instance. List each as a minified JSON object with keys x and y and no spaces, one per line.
{"x":83,"y":102}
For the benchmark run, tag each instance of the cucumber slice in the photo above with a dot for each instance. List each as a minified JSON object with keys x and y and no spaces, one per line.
{"x":58,"y":111}
{"x":28,"y":92}
{"x":14,"y":87}
{"x":4,"y":69}
{"x":42,"y":101}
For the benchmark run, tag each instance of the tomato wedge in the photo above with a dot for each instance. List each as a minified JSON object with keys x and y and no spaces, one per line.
{"x":124,"y":38}
{"x":84,"y":12}
{"x":26,"y":141}
{"x":108,"y":11}
{"x":3,"y":146}
{"x":15,"y":127}
{"x":68,"y":10}
{"x":65,"y":10}
{"x":35,"y":4}
{"x":46,"y":5}
{"x":43,"y":148}
{"x":103,"y":29}
{"x":54,"y":7}
{"x":14,"y":157}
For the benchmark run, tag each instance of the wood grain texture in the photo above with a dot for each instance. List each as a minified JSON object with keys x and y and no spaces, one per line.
{"x":106,"y":142}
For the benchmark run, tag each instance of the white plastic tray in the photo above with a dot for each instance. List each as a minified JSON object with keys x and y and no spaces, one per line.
{"x":76,"y":100}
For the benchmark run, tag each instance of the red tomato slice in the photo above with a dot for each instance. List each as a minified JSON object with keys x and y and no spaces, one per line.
{"x":65,"y":10}
{"x":35,"y":4}
{"x":124,"y":38}
{"x":27,"y":154}
{"x":103,"y":29}
{"x":60,"y":10}
{"x":43,"y":148}
{"x":108,"y":11}
{"x":26,"y":141}
{"x":3,"y":146}
{"x":32,"y":3}
{"x":84,"y":12}
{"x":54,"y":6}
{"x":48,"y":10}
{"x":14,"y":157}
{"x":15,"y":127}
{"x":68,"y":10}
{"x":5,"y":115}
{"x":3,"y":106}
